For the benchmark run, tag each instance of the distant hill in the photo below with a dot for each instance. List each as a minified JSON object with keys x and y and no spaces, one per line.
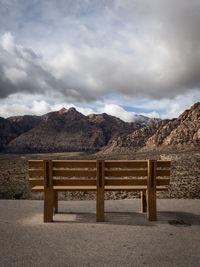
{"x":14,"y":126}
{"x":65,"y":130}
{"x":176,"y":134}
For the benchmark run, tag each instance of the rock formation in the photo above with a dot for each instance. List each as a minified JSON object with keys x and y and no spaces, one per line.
{"x":176,"y":134}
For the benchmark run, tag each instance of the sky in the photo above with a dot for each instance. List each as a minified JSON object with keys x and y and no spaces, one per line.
{"x":121,"y":57}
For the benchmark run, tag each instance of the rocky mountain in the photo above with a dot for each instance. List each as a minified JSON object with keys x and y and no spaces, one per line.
{"x":7,"y":132}
{"x":12,"y":127}
{"x":176,"y":134}
{"x":25,"y":123}
{"x":69,"y":130}
{"x":145,"y":121}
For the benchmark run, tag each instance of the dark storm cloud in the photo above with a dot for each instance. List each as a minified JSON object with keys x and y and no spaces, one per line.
{"x":22,"y":71}
{"x":134,"y":48}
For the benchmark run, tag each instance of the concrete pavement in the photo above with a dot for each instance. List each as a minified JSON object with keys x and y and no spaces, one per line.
{"x":75,"y":239}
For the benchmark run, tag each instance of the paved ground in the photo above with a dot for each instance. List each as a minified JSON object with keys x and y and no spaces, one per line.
{"x":75,"y":239}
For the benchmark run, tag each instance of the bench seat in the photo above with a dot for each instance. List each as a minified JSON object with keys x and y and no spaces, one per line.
{"x":65,"y":188}
{"x":38,"y":188}
{"x":131,"y":188}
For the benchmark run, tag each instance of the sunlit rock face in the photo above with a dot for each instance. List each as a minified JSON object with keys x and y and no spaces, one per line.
{"x":177,"y":134}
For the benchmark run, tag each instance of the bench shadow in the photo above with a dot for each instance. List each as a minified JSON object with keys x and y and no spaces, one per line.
{"x":117,"y":218}
{"x":177,"y":219}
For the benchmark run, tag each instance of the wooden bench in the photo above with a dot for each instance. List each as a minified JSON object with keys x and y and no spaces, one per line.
{"x":53,"y":176}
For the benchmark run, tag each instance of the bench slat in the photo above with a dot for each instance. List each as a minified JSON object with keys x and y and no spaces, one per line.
{"x":93,"y":188}
{"x":163,"y":163}
{"x":92,"y":164}
{"x":34,"y":182}
{"x":34,"y":173}
{"x":76,"y":173}
{"x":74,"y":164}
{"x":66,"y":188}
{"x":162,"y":172}
{"x":132,"y":188}
{"x":35,"y":163}
{"x":81,"y":182}
{"x":125,"y":188}
{"x":37,"y":188}
{"x":125,"y":164}
{"x":74,"y":182}
{"x":125,"y":181}
{"x":163,"y":181}
{"x":68,"y":182}
{"x":124,"y":173}
{"x":159,"y":182}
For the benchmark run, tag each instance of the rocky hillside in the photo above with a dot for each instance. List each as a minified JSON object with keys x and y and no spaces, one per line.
{"x":8,"y":132}
{"x":69,"y":130}
{"x":14,"y":126}
{"x":176,"y":134}
{"x":24,"y":123}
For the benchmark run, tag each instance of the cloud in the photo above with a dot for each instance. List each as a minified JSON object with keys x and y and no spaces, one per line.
{"x":169,"y":108}
{"x":40,"y":107}
{"x":20,"y":69}
{"x":151,"y":114}
{"x":82,"y":51}
{"x":14,"y":75}
{"x":21,"y":104}
{"x":8,"y":42}
{"x":118,"y":111}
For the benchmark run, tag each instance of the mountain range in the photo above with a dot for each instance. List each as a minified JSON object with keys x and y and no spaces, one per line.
{"x":69,"y":130}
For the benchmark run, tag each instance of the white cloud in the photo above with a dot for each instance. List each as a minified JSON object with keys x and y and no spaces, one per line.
{"x":117,"y":111}
{"x":7,"y":42}
{"x":169,"y":108}
{"x":84,"y":110}
{"x":20,"y":104}
{"x":151,"y":114}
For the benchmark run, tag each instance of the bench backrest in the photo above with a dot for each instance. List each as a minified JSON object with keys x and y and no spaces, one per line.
{"x":98,"y":172}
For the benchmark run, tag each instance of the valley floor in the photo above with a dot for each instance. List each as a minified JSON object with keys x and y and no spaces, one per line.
{"x":185,"y":174}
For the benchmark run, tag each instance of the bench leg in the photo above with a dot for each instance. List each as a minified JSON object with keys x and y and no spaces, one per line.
{"x":56,"y":201}
{"x":48,"y":205}
{"x":100,"y":206}
{"x":143,"y":201}
{"x":151,"y":206}
{"x":100,"y":191}
{"x":151,"y":191}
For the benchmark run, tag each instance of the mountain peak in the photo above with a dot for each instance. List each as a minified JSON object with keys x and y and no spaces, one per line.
{"x":62,"y":110}
{"x":72,"y":109}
